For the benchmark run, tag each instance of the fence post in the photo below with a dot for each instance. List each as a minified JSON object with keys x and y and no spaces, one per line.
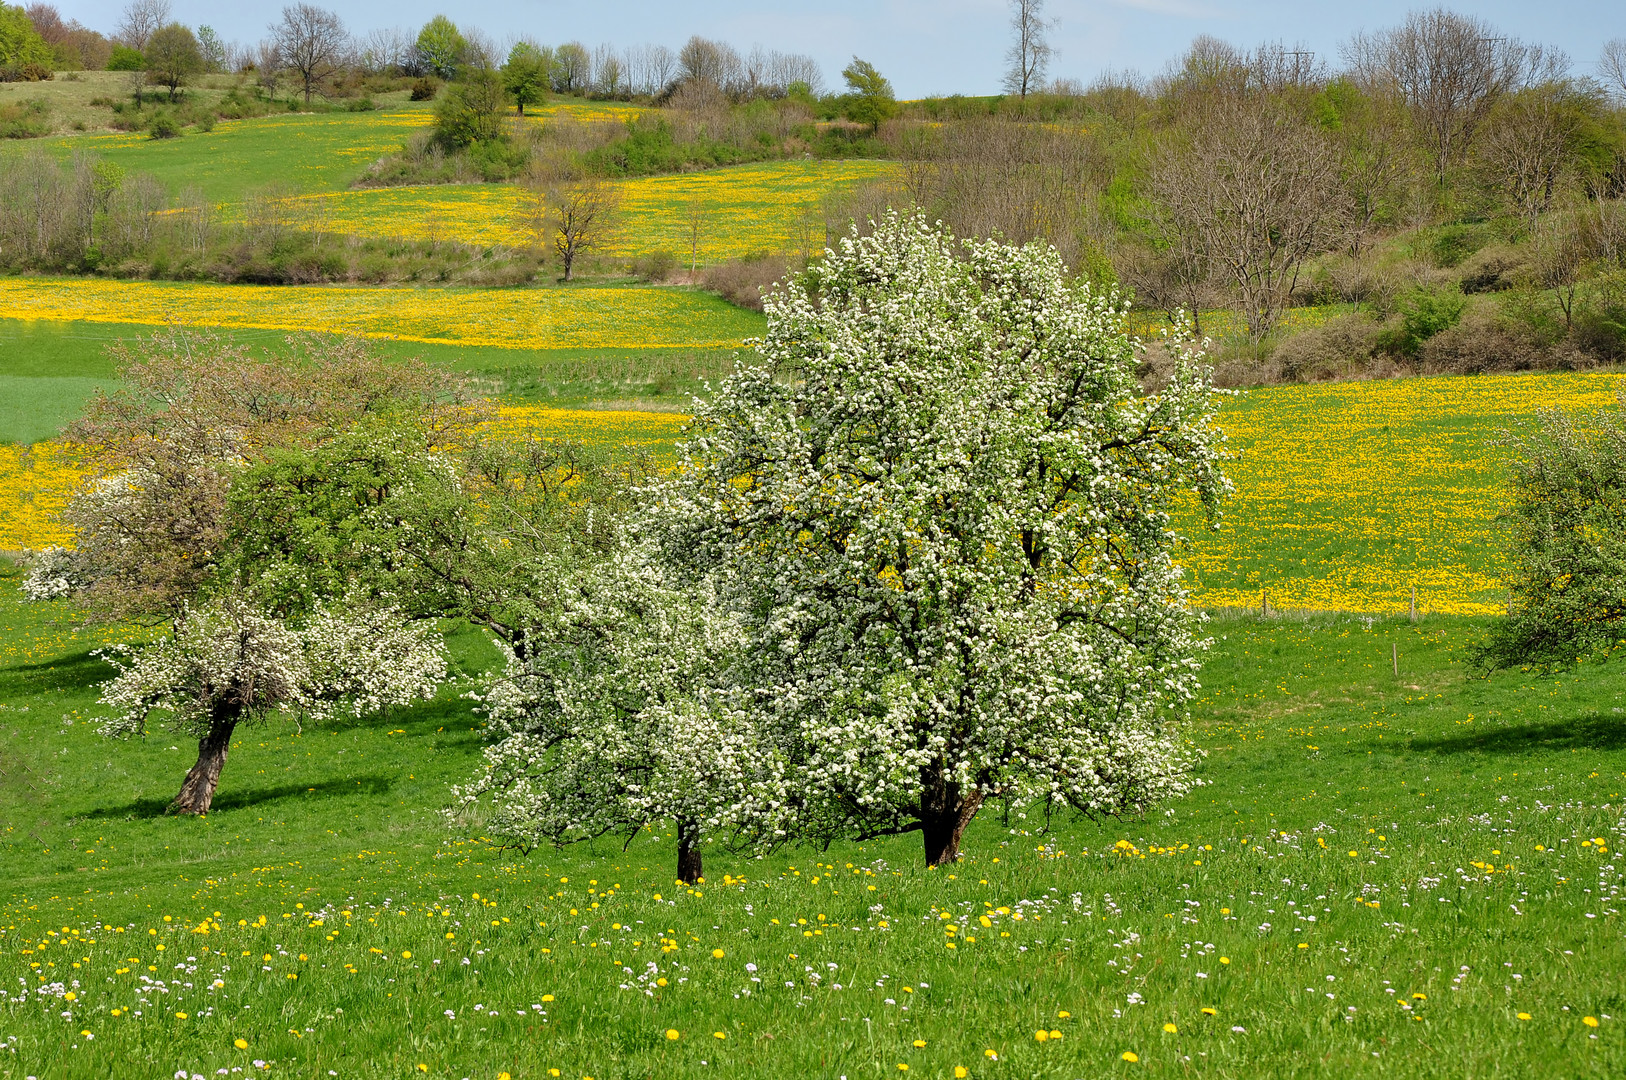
{"x":1414,"y":603}
{"x":1394,"y":656}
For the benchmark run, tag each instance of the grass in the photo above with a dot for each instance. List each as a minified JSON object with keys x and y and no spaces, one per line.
{"x":331,"y":918}
{"x":309,"y":152}
{"x":740,"y":211}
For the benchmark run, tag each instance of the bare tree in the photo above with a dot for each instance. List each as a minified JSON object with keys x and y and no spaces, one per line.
{"x":609,"y":71}
{"x":650,"y":69}
{"x":312,"y":42}
{"x":1526,"y":148}
{"x":387,"y":50}
{"x":1251,"y":190}
{"x":1449,"y":69}
{"x":1611,"y":67}
{"x":268,"y":67}
{"x":140,"y":19}
{"x":584,"y":219}
{"x":1028,"y":58}
{"x":716,"y":62}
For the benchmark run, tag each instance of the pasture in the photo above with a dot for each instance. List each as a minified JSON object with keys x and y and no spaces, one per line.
{"x":1384,"y":876}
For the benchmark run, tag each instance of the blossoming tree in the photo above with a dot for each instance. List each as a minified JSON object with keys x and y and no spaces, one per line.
{"x":941,"y":508}
{"x":621,"y":712}
{"x":229,"y":663}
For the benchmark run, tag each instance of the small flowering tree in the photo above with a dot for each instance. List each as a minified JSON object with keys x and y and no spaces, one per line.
{"x":941,"y":507}
{"x":620,"y":712}
{"x":228,"y":663}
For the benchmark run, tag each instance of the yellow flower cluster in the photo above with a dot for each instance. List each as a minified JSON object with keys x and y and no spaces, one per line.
{"x":1349,"y":494}
{"x":586,"y":317}
{"x":35,"y":482}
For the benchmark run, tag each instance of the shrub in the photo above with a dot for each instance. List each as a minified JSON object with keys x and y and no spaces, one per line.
{"x":742,"y":282}
{"x":1454,"y":243}
{"x":1483,"y":342}
{"x":1423,"y":313}
{"x":163,"y":126}
{"x":424,"y":88}
{"x":1492,"y":269}
{"x":1339,"y":347}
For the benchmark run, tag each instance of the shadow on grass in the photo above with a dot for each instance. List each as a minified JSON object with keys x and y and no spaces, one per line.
{"x":76,"y":671}
{"x":227,"y":800}
{"x":1592,"y":732}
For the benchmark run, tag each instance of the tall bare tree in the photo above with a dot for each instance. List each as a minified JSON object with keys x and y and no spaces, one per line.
{"x":1526,"y":149}
{"x":1612,"y":67}
{"x":1449,"y":69}
{"x":583,"y":217}
{"x":1252,"y":190}
{"x":1028,"y":58}
{"x":311,"y":42}
{"x":140,"y":19}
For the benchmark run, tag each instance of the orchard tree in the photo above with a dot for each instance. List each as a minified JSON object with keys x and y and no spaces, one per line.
{"x":230,"y":663}
{"x":159,"y":539}
{"x":941,"y":509}
{"x":622,"y":713}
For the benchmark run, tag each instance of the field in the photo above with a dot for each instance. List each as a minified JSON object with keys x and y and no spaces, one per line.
{"x":308,"y":152}
{"x":1382,"y":877}
{"x":740,"y":211}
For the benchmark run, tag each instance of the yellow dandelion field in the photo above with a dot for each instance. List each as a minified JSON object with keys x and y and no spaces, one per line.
{"x":1348,"y":494}
{"x":742,"y":210}
{"x":35,"y":483}
{"x":583,"y":317}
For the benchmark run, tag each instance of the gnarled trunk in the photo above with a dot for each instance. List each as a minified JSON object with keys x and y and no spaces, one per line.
{"x":198,"y":791}
{"x":945,"y":811}
{"x":689,"y":868}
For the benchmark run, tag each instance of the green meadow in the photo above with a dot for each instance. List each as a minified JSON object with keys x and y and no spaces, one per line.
{"x":1381,"y":875}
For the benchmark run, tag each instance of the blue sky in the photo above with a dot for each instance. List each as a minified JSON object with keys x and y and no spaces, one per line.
{"x":927,"y":47}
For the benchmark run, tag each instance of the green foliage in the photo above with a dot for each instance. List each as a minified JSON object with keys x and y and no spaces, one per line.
{"x":1454,"y":243}
{"x":424,"y":88}
{"x":125,"y":58}
{"x":871,"y":100}
{"x":1566,"y":543}
{"x":20,"y":44}
{"x":164,"y":125}
{"x":1423,"y":313}
{"x":441,"y":47}
{"x":525,"y":75}
{"x":173,"y":57}
{"x":471,"y":111}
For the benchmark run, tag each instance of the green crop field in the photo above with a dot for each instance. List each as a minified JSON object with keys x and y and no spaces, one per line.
{"x":1382,"y":876}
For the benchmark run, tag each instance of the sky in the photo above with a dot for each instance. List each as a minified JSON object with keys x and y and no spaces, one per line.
{"x":927,"y":46}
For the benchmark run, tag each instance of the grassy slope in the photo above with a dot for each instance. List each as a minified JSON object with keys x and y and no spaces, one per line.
{"x":1311,"y":739}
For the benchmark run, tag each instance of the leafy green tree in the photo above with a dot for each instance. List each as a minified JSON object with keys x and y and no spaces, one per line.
{"x":173,"y":57}
{"x":526,"y":75}
{"x":870,"y":100}
{"x":441,"y":47}
{"x":1565,"y":543}
{"x":20,"y":44}
{"x":471,"y":112}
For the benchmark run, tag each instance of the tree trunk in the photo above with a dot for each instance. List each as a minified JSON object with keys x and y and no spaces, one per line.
{"x":944,"y":814}
{"x":198,"y":791}
{"x":689,"y":859}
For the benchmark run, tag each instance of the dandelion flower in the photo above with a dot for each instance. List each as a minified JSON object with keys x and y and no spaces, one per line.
{"x":1041,"y":1036}
{"x":920,"y":1044}
{"x":1130,"y":1056}
{"x":717,"y":953}
{"x":422,"y":1067}
{"x":1171,"y":1029}
{"x":406,"y":954}
{"x":1225,"y":959}
{"x":1524,"y":1016}
{"x":547,"y":997}
{"x":719,"y":1034}
{"x":961,"y":1072}
{"x":1210,"y":1011}
{"x":1419,"y":997}
{"x":672,"y":1034}
{"x":990,"y":1055}
{"x":1064,"y":1014}
{"x":180,"y":1016}
{"x":902,"y":1067}
{"x":241,"y":1044}
{"x":1590,"y":1021}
